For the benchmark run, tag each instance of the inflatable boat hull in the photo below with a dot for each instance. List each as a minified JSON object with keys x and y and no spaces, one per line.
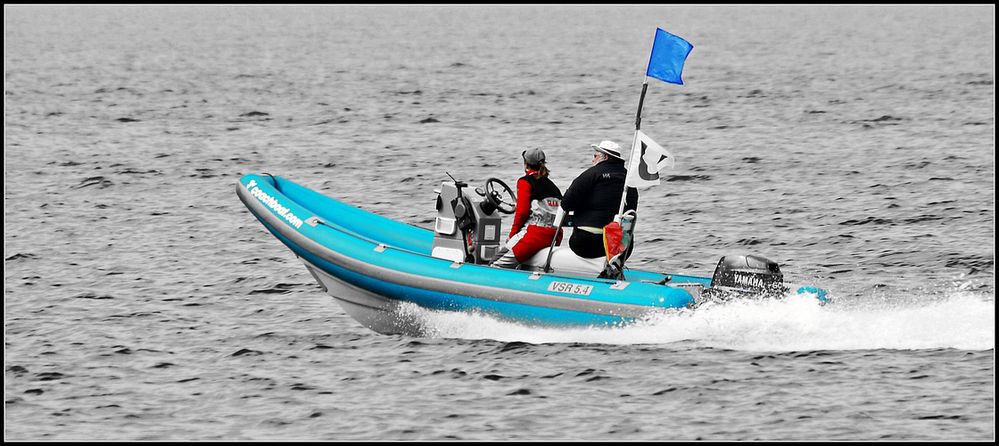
{"x":374,"y":266}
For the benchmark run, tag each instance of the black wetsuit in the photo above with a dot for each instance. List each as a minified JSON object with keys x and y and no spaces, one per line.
{"x":594,"y":197}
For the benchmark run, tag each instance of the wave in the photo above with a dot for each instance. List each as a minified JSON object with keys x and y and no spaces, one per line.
{"x":961,"y":320}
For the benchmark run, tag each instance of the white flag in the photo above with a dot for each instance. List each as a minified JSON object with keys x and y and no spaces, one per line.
{"x":647,"y":160}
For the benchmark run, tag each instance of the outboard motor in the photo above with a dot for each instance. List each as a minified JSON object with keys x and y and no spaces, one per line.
{"x":748,"y":275}
{"x":464,"y":231}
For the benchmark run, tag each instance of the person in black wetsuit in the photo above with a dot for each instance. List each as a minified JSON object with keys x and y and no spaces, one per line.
{"x":594,"y":197}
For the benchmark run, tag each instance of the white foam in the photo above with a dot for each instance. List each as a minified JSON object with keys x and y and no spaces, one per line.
{"x":962,"y":320}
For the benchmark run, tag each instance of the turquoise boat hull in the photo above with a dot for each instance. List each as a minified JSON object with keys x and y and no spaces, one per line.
{"x":374,"y":266}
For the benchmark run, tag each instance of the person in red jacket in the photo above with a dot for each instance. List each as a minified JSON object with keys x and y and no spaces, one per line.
{"x":538,"y":199}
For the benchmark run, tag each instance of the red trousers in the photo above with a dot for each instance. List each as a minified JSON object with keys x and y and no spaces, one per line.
{"x":531,"y":240}
{"x":525,"y":244}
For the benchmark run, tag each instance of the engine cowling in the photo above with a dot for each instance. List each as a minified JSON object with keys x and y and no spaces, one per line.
{"x":748,"y":274}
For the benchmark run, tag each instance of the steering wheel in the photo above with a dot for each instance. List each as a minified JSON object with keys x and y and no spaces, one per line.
{"x":496,"y":198}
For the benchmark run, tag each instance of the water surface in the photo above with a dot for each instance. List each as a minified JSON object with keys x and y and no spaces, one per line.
{"x":855,"y":145}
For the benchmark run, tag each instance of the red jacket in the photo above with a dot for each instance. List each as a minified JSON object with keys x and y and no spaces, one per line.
{"x":528,"y":190}
{"x":523,"y":206}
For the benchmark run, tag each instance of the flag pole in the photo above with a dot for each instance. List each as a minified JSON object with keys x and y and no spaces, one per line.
{"x":638,"y":126}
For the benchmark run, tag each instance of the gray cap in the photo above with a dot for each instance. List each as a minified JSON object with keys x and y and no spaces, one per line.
{"x":534,"y":156}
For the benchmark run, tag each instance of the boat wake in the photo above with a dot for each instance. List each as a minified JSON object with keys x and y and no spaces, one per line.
{"x":962,"y":320}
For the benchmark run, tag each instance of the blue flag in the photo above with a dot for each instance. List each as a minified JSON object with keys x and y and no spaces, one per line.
{"x":668,"y":54}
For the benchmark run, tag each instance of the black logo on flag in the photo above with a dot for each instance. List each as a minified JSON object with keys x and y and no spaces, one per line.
{"x":644,"y":172}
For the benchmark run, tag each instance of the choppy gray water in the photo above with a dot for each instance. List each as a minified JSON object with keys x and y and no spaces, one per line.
{"x":855,"y":145}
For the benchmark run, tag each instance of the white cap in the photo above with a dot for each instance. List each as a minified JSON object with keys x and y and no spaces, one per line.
{"x":609,"y":147}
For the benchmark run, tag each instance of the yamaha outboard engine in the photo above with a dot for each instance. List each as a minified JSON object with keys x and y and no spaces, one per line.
{"x":748,"y":275}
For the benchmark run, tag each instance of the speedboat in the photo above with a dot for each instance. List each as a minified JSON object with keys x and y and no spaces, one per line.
{"x":375,"y":266}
